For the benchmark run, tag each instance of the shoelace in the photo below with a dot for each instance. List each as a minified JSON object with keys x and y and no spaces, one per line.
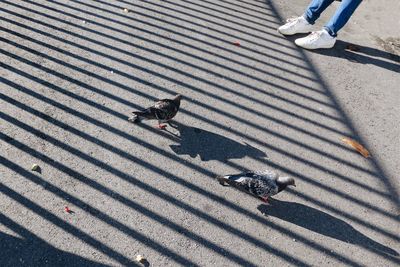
{"x":315,"y":35}
{"x":292,"y":19}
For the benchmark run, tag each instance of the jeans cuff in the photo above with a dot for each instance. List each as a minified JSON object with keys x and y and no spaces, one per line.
{"x":329,"y":30}
{"x":308,"y":19}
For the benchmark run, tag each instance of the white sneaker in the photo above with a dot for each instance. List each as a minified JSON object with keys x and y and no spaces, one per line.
{"x":295,"y":25}
{"x":316,"y":40}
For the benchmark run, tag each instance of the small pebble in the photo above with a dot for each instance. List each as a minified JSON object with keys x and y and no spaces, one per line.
{"x":140,"y":258}
{"x":294,"y":240}
{"x":84,"y":22}
{"x":35,"y":167}
{"x":126,"y":10}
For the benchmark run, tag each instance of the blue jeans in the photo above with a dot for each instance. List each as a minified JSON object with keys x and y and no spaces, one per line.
{"x":339,"y":19}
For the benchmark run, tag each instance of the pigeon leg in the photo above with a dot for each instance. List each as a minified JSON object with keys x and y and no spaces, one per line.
{"x":265,"y":199}
{"x":162,"y":127}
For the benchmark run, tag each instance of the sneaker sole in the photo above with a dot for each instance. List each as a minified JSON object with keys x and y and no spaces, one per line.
{"x":290,"y":33}
{"x":314,"y":48}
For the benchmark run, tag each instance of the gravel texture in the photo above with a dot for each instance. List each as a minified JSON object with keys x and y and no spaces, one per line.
{"x":72,"y":71}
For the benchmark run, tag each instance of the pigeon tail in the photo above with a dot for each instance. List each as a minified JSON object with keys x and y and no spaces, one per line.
{"x":225,"y":180}
{"x":137,"y":117}
{"x":134,"y":119}
{"x":221,"y":180}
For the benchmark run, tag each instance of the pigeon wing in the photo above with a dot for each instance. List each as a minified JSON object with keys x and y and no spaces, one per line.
{"x":166,"y":109}
{"x":148,"y":113}
{"x":264,"y":187}
{"x":256,"y":184}
{"x":268,"y":174}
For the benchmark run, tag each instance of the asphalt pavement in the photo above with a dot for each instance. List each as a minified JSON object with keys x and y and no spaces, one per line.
{"x":71,"y":72}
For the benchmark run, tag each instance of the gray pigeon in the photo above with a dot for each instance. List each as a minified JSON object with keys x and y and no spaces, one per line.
{"x":163,"y":110}
{"x":261,"y":184}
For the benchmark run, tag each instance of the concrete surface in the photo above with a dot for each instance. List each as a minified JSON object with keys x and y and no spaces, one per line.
{"x":72,"y":71}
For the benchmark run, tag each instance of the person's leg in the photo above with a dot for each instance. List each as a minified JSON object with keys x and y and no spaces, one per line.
{"x":303,"y":24}
{"x":315,"y":9}
{"x":341,"y":16}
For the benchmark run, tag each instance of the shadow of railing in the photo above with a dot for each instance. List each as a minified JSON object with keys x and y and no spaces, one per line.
{"x":111,"y":221}
{"x":266,"y":82}
{"x":129,"y":89}
{"x":185,"y":147}
{"x":163,"y":37}
{"x":112,"y":170}
{"x":31,"y":250}
{"x":132,"y":139}
{"x":120,"y":115}
{"x":30,"y":205}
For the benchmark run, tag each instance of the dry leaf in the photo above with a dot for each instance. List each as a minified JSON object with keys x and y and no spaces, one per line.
{"x":357,"y":146}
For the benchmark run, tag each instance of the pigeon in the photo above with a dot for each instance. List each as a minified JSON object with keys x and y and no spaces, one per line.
{"x":163,"y":110}
{"x":261,"y":184}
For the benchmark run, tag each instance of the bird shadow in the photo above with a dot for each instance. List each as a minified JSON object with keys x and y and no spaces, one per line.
{"x":321,"y":223}
{"x":210,"y":146}
{"x":15,"y":251}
